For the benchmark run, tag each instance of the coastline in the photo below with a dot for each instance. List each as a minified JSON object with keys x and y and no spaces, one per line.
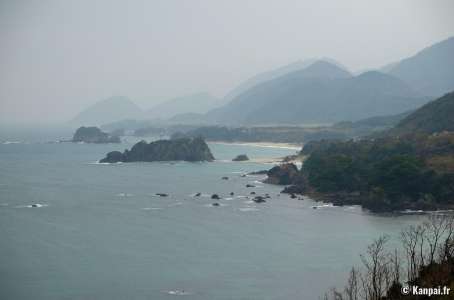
{"x":261,"y":144}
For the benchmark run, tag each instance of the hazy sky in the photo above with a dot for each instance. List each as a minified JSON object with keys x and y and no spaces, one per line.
{"x":57,"y":57}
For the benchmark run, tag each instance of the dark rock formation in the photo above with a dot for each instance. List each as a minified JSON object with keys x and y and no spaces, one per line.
{"x":161,"y":194}
{"x":215,"y":204}
{"x":225,"y":178}
{"x":187,"y":149}
{"x":231,"y":193}
{"x":283,"y":174}
{"x":261,"y":172}
{"x":241,"y":157}
{"x":215,"y":196}
{"x":250,"y":185}
{"x":198,"y":194}
{"x":93,"y":135}
{"x":259,"y":199}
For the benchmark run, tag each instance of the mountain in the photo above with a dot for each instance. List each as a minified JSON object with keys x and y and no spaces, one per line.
{"x":107,"y":111}
{"x":430,"y":71}
{"x":319,"y":93}
{"x":435,"y":116}
{"x":273,"y":74}
{"x":194,"y":103}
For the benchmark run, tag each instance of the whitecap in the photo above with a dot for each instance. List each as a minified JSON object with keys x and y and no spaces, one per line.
{"x":175,"y":204}
{"x":152,"y":208}
{"x":34,"y":205}
{"x":124,"y":195}
{"x":177,"y":292}
{"x":11,"y":142}
{"x":248,"y":209}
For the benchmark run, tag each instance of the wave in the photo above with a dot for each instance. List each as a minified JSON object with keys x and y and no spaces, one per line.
{"x":152,"y":208}
{"x":12,"y":142}
{"x":105,"y":163}
{"x":248,"y":209}
{"x":34,"y":205}
{"x":124,"y":195}
{"x":177,"y":292}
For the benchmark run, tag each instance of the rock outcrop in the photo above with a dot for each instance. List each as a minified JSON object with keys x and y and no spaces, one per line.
{"x":93,"y":135}
{"x":284,"y":174}
{"x":187,"y":149}
{"x":241,"y":157}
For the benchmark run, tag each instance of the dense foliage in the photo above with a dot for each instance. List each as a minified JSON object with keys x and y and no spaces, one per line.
{"x":387,"y":173}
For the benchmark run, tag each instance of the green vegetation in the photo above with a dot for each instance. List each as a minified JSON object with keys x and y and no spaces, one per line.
{"x":384,"y":174}
{"x":411,"y":166}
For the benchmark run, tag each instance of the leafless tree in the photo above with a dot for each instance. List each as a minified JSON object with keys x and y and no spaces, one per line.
{"x":351,"y":290}
{"x":412,"y":236}
{"x":376,"y":277}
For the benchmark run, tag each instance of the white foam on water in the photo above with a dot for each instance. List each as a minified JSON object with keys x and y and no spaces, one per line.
{"x":175,"y":204}
{"x":244,"y":209}
{"x":177,"y":292}
{"x":124,"y":195}
{"x":34,"y":205}
{"x":152,"y":208}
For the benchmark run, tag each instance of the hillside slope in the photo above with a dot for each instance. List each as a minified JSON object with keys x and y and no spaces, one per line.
{"x":320,"y":93}
{"x":430,"y":71}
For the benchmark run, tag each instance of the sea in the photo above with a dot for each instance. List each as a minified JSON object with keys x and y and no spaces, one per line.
{"x":72,"y":228}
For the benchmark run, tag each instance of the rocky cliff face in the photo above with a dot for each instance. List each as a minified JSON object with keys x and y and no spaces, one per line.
{"x":187,"y":149}
{"x":284,"y":174}
{"x":93,"y":135}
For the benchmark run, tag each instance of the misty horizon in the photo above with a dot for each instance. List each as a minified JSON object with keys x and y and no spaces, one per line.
{"x":58,"y":58}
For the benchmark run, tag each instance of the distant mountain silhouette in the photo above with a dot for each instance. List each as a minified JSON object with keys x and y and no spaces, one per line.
{"x":108,"y":110}
{"x":273,"y":74}
{"x":319,"y":93}
{"x":430,"y":71}
{"x":194,"y":103}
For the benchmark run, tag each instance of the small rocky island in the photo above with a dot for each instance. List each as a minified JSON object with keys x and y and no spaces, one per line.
{"x":187,"y":149}
{"x":241,"y":157}
{"x":93,"y":135}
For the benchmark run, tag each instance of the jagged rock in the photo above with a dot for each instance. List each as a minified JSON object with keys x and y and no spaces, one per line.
{"x":241,"y":157}
{"x":294,"y":189}
{"x":252,"y":193}
{"x":283,"y":174}
{"x":215,"y":204}
{"x":250,"y":185}
{"x":259,"y":199}
{"x":293,"y":196}
{"x":197,"y":195}
{"x":162,"y":194}
{"x":215,"y":196}
{"x":113,"y":157}
{"x":187,"y":149}
{"x":93,"y":135}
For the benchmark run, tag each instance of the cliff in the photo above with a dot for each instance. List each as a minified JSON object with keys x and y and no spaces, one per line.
{"x":93,"y":135}
{"x":187,"y":149}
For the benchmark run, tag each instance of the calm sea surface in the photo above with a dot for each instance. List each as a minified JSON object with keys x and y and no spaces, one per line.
{"x":101,"y":233}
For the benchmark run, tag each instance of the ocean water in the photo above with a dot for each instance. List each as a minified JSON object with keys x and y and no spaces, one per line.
{"x":100,"y":232}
